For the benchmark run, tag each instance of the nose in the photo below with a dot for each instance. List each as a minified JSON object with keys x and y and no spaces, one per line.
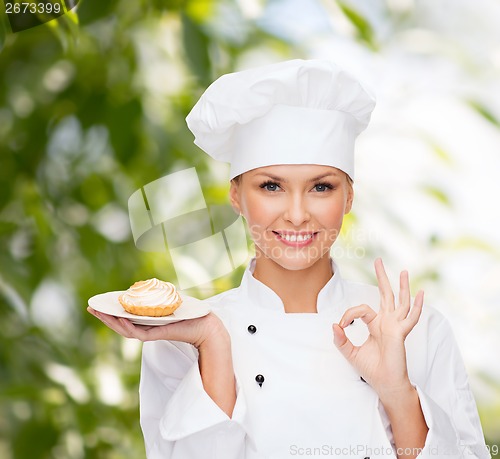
{"x":296,"y":211}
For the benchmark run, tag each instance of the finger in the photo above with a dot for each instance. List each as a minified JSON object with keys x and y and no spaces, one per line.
{"x":384,"y":286}
{"x":113,"y":323}
{"x":343,"y":344}
{"x":187,"y":331}
{"x":146,"y":327}
{"x":415,"y":312}
{"x":117,"y":325}
{"x":176,"y":331}
{"x":363,"y":312}
{"x":142,"y":333}
{"x":132,"y":330}
{"x":404,"y":294}
{"x":91,"y":311}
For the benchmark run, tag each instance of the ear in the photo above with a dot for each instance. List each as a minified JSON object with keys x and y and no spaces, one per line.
{"x":350,"y":198}
{"x":234,"y":198}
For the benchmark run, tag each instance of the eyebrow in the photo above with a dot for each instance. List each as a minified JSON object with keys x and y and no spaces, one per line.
{"x":283,"y":180}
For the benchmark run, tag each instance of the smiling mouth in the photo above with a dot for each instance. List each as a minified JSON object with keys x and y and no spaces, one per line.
{"x":295,"y":237}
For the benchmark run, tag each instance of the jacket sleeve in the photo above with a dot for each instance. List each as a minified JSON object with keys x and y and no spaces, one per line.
{"x":446,"y":400}
{"x":178,"y":418}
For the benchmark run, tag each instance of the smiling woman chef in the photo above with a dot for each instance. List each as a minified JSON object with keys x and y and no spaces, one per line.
{"x":280,"y":367}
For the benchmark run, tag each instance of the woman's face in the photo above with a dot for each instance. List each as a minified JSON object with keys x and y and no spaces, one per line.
{"x":294,"y":212}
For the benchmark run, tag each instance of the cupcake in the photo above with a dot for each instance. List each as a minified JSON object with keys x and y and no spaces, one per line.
{"x":151,"y":297}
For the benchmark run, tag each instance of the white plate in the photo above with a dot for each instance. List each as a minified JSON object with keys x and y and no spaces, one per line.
{"x":108,"y":303}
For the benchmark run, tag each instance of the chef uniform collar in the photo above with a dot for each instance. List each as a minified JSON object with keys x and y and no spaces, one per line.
{"x":292,"y":112}
{"x":331,"y":298}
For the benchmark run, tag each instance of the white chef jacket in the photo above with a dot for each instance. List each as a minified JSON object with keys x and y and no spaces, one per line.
{"x":312,"y":402}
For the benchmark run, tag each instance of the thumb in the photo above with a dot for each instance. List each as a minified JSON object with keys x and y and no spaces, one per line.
{"x":342,"y":342}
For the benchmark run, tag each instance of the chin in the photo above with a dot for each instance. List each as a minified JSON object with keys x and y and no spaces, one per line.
{"x":294,"y":265}
{"x":300,"y":261}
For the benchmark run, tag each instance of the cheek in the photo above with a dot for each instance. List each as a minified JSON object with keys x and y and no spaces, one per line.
{"x":330,"y":214}
{"x":260,"y":212}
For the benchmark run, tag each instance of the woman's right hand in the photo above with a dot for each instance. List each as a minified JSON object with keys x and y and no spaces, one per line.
{"x":208,"y":334}
{"x":197,"y":332}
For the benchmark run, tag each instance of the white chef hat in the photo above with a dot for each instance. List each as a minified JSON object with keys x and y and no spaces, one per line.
{"x":292,"y":112}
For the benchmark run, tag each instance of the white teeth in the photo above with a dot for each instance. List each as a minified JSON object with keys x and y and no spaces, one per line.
{"x":296,"y":238}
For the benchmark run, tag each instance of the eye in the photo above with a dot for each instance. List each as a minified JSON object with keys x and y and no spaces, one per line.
{"x":270,"y":186}
{"x":323,"y":186}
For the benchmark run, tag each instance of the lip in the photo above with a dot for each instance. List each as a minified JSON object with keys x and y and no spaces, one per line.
{"x":296,"y":233}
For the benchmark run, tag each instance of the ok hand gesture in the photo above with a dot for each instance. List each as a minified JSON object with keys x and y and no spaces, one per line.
{"x":381,"y":359}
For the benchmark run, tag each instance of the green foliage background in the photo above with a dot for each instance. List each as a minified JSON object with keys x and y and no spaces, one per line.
{"x":85,"y":71}
{"x":48,"y":200}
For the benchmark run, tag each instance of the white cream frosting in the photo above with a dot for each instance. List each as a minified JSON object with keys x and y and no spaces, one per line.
{"x":151,"y":292}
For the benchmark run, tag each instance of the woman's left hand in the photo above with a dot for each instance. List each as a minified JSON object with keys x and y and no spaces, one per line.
{"x":381,"y":359}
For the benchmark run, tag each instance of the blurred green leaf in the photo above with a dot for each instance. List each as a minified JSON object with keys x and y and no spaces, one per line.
{"x":43,"y":434}
{"x":89,"y":11}
{"x":473,"y":242}
{"x":438,"y":194}
{"x":66,"y":29}
{"x":484,"y":111}
{"x":7,"y":228}
{"x":4,"y":28}
{"x":363,"y":27}
{"x":196,"y":47}
{"x":442,"y":154}
{"x":199,"y":10}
